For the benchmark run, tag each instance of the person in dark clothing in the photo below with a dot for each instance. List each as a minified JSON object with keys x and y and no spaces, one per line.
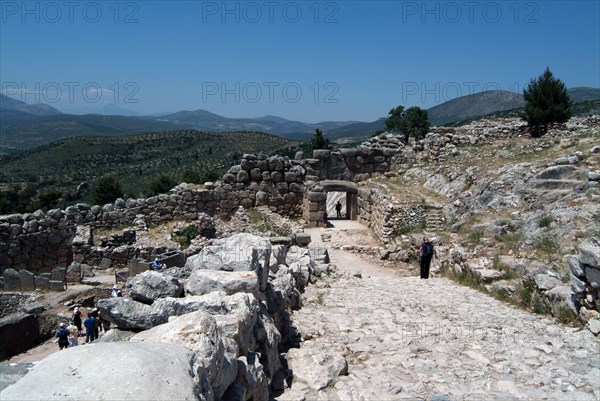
{"x":427,"y":252}
{"x":77,"y":319}
{"x":325,"y":219}
{"x":95,"y":314}
{"x":90,"y":328}
{"x":338,"y":210}
{"x":63,"y":336}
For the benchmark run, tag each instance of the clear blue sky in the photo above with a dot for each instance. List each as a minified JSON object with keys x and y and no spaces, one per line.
{"x":305,"y":60}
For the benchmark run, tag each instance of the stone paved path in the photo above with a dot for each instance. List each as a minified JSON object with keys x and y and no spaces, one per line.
{"x":406,"y":338}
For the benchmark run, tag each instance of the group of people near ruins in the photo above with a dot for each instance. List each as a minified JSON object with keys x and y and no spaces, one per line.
{"x":68,"y":336}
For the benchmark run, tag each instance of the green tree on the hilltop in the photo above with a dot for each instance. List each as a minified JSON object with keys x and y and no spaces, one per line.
{"x":318,"y":140}
{"x":413,"y":121}
{"x":416,"y":123}
{"x":107,"y":190}
{"x":547,"y":101}
{"x":160,"y":184}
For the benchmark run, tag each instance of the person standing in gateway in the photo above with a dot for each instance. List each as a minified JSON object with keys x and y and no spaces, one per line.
{"x":338,"y":209}
{"x":427,"y":252}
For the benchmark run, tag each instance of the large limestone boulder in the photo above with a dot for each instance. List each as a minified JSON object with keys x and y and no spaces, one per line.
{"x":206,"y":281}
{"x":251,"y":382}
{"x":589,"y":252}
{"x":128,"y":314}
{"x":315,"y":367}
{"x":214,"y":368}
{"x":110,"y":371}
{"x":241,"y":252}
{"x":151,"y":285}
{"x":18,"y":333}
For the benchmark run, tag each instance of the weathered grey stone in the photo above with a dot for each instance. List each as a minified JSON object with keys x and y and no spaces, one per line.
{"x":577,"y":269}
{"x":95,"y":363}
{"x":12,"y":280}
{"x":198,"y":332}
{"x":317,"y":196}
{"x":56,"y":285}
{"x":86,"y":271}
{"x":546,"y":281}
{"x":73,"y":274}
{"x":577,"y":285}
{"x":128,"y":314}
{"x":589,"y":252}
{"x":42,"y":282}
{"x":32,"y":308}
{"x":592,"y":274}
{"x":316,"y":368}
{"x":104,"y":264}
{"x":301,"y":239}
{"x":151,"y":285}
{"x":593,"y":325}
{"x":27,"y":280}
{"x":241,"y":252}
{"x":18,"y":333}
{"x":251,"y":382}
{"x":58,"y":274}
{"x":205,"y":281}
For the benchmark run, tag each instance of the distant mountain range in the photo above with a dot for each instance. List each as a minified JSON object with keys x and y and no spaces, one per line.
{"x":23,"y":126}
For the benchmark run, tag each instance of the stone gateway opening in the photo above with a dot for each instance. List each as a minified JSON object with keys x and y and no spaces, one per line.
{"x":316,"y":202}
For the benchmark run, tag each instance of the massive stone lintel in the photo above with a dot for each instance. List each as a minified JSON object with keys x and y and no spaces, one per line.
{"x":339,"y":186}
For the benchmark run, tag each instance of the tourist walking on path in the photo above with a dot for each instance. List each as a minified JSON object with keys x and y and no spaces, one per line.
{"x":77,"y":319}
{"x":74,"y":333}
{"x":325,"y":219}
{"x":90,"y":328}
{"x":63,"y":336}
{"x":338,"y":209}
{"x":98,"y":320}
{"x":426,"y":251}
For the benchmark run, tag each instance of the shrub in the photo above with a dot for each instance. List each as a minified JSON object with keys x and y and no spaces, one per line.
{"x":160,"y":185}
{"x":475,"y":236}
{"x":539,"y":304}
{"x":107,"y":190}
{"x":547,"y":245}
{"x":545,"y":221}
{"x":187,"y":235}
{"x":565,"y":315}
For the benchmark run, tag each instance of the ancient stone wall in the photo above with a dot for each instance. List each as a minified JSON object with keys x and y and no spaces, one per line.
{"x":442,"y":140}
{"x":41,"y":241}
{"x":259,"y":180}
{"x":386,"y":216}
{"x":35,"y":241}
{"x":372,"y":159}
{"x":24,"y":280}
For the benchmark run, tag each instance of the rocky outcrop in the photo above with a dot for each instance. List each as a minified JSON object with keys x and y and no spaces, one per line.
{"x":233,"y":339}
{"x":151,"y":285}
{"x":18,"y":333}
{"x":585,"y":278}
{"x":104,"y":371}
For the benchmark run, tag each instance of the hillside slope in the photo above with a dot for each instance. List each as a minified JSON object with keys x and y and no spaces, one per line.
{"x":133,"y":160}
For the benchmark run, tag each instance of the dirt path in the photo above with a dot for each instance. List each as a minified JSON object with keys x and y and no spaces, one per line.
{"x":407,"y":338}
{"x":54,"y":303}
